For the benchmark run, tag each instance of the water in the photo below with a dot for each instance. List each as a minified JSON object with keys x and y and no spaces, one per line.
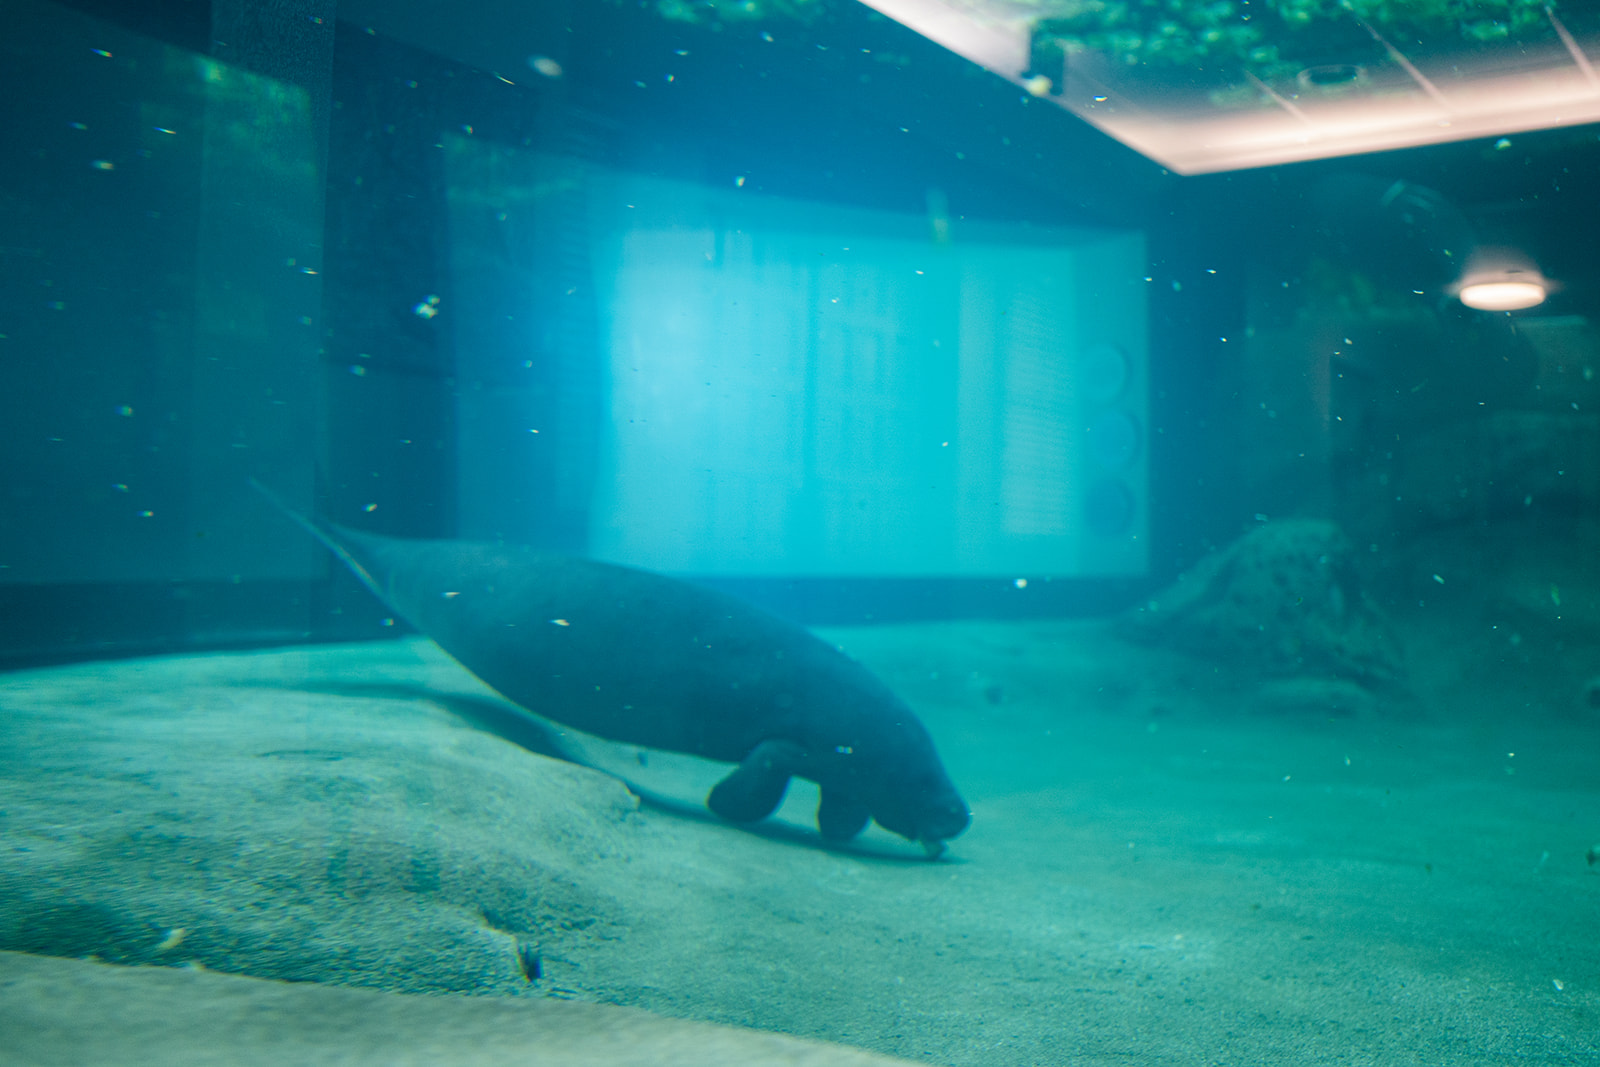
{"x":1242,"y":579}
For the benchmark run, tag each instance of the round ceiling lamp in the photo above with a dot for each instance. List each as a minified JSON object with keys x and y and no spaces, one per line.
{"x":1502,"y":279}
{"x":1508,"y":294}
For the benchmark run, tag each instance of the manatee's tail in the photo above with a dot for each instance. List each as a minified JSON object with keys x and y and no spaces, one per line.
{"x":323,"y":533}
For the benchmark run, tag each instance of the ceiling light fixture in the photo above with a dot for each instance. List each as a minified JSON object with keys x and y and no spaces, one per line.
{"x":1501,"y":279}
{"x":1504,"y":295}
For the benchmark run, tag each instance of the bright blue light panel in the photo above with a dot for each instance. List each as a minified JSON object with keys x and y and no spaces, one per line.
{"x":803,"y":389}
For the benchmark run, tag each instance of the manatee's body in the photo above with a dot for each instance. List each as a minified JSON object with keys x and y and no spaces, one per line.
{"x":644,"y":659}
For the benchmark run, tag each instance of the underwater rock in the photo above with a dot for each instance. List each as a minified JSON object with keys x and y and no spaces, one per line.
{"x":1284,"y":600}
{"x":155,"y":815}
{"x":1315,"y":696}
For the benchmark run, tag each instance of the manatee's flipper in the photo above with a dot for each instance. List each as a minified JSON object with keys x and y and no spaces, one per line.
{"x":841,"y":816}
{"x":755,"y":788}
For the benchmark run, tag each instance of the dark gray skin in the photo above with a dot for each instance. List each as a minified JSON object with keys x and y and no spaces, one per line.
{"x":644,"y":659}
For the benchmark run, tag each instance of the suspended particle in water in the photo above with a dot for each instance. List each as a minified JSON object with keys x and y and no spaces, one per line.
{"x":545,"y":65}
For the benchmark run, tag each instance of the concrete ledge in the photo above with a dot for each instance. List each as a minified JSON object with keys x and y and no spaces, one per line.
{"x":58,"y":1011}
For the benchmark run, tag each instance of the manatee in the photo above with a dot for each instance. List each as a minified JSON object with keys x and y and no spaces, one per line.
{"x":643,"y":659}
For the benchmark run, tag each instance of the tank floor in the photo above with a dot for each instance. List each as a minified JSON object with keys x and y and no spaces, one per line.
{"x":1166,"y":864}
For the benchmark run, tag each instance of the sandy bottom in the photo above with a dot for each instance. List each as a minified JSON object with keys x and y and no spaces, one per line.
{"x":1166,"y":864}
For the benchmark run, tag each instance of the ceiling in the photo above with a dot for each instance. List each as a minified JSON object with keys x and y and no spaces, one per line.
{"x":1202,"y":88}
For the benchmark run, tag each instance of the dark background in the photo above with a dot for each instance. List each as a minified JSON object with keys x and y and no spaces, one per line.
{"x":815,"y":113}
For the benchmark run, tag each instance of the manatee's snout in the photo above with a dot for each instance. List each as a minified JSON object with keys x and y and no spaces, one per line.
{"x":947,"y":820}
{"x":945,"y":823}
{"x":942,"y":822}
{"x":928,"y":810}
